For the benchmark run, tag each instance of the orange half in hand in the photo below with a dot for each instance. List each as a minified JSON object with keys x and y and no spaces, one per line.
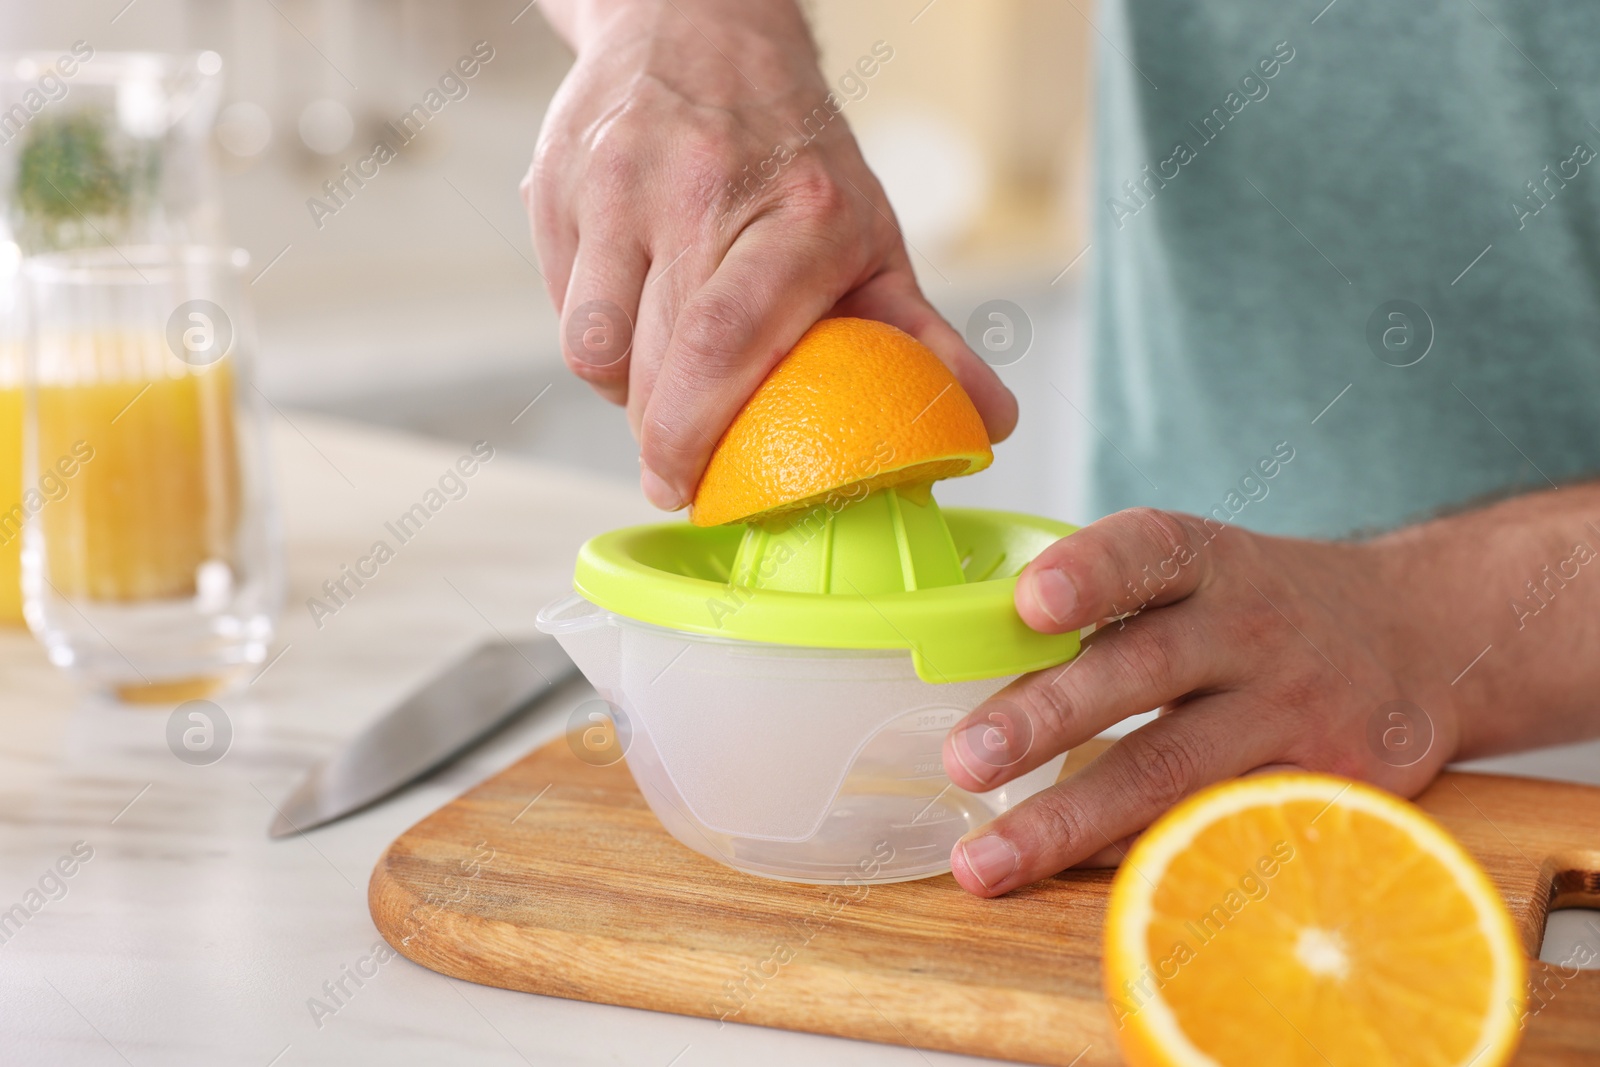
{"x":856,"y":405}
{"x":1302,"y":920}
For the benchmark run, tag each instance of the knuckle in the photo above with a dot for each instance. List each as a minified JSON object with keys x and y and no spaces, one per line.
{"x":596,"y":334}
{"x":715,"y":331}
{"x":664,"y":443}
{"x":712,"y":135}
{"x":615,"y":155}
{"x":1163,"y":531}
{"x":1050,"y":707}
{"x":1064,"y":819}
{"x":710,"y":158}
{"x":712,"y":143}
{"x":1144,"y":662}
{"x":816,"y":193}
{"x":1164,"y":767}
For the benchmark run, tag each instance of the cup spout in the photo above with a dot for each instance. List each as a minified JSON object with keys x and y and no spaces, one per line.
{"x":586,"y":633}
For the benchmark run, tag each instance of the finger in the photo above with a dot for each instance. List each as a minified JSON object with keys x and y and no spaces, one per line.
{"x":893,"y":297}
{"x":1113,"y":854}
{"x":554,"y":230}
{"x":674,"y":277}
{"x":1126,"y":562}
{"x":769,"y":289}
{"x":599,"y":310}
{"x":1110,"y":856}
{"x":1125,"y":789}
{"x":1144,"y":662}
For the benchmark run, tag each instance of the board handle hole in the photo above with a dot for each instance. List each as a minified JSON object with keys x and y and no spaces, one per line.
{"x":1571,"y":935}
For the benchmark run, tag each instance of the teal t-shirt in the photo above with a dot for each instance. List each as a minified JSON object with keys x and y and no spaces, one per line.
{"x":1392,"y":209}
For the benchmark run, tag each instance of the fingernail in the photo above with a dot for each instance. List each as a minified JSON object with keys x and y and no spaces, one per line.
{"x":991,"y":859}
{"x":657,"y":491}
{"x":1055,"y":595}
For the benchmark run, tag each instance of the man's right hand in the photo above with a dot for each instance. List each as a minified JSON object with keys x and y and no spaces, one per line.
{"x":697,"y":203}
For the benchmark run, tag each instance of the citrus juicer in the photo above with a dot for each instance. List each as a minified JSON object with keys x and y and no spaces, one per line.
{"x":785,"y":687}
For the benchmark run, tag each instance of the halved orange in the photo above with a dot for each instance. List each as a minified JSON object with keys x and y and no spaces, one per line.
{"x":856,"y":405}
{"x":1303,"y":920}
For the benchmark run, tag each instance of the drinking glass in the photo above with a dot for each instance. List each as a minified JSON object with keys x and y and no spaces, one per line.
{"x":150,"y":563}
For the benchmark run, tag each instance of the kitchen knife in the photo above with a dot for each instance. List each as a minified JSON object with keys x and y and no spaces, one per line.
{"x":427,"y":729}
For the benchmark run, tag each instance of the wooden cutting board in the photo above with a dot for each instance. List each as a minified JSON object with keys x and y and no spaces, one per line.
{"x":554,"y":877}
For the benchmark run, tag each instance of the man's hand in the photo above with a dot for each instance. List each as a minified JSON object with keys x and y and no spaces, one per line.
{"x":697,"y":202}
{"x":1270,"y":652}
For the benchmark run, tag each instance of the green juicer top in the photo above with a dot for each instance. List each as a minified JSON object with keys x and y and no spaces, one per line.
{"x":888,"y":571}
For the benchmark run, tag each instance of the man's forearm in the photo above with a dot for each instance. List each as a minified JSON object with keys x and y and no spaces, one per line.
{"x":1507,"y":599}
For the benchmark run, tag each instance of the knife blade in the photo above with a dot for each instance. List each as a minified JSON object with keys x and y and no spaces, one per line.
{"x":465,"y":702}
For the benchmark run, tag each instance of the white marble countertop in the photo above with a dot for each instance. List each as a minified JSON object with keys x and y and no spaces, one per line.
{"x":189,"y":937}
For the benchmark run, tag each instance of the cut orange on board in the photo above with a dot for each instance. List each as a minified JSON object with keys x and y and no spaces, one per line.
{"x":856,"y":405}
{"x":1303,"y":920}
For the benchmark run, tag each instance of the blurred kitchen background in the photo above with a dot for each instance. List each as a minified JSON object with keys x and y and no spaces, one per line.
{"x":418,"y":305}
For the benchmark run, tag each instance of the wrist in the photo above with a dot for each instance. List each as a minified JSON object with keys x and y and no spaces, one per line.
{"x":1437,"y":629}
{"x":739,"y":30}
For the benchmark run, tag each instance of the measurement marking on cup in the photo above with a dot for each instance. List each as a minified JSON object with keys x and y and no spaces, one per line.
{"x":918,"y":817}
